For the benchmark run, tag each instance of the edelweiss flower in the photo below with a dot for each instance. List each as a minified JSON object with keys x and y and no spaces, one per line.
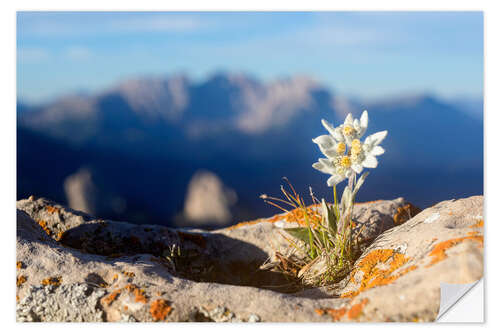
{"x":341,"y":164}
{"x":350,"y":130}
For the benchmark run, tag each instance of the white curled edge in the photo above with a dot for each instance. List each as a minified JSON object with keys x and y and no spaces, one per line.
{"x":461,"y":303}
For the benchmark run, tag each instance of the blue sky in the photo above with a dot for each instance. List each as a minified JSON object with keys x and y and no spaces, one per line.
{"x":365,"y":54}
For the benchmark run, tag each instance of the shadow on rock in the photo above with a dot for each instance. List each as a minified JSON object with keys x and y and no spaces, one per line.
{"x":197,"y":256}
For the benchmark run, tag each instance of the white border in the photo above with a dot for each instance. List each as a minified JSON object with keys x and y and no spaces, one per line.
{"x":7,"y":112}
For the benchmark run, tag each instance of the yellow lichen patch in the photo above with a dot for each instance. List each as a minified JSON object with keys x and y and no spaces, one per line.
{"x":405,"y":213}
{"x":438,"y":252}
{"x":111,"y":297}
{"x":129,"y":274}
{"x":20,"y":280}
{"x":52,"y":210}
{"x":43,"y":224}
{"x":53,"y":281}
{"x":479,"y":224}
{"x":160,"y":309}
{"x":103,"y":285}
{"x":115,"y":277}
{"x":138,"y":293}
{"x":378,"y":268}
{"x":352,"y":313}
{"x":19,"y":265}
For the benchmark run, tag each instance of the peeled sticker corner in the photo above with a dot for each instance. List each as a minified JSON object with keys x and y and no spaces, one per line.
{"x":462,"y":302}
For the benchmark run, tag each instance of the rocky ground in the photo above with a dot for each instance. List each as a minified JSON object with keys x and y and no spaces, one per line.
{"x":74,"y":267}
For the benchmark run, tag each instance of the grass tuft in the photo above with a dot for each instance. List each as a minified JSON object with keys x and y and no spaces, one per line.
{"x":323,"y":247}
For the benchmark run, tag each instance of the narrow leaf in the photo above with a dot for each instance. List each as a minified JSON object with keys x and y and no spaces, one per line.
{"x":360,"y":182}
{"x":329,"y":216}
{"x":299,"y":233}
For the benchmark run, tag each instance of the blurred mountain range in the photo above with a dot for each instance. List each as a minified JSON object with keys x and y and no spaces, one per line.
{"x":138,"y":144}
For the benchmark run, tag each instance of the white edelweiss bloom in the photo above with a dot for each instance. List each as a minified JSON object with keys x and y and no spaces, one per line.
{"x":363,"y":155}
{"x":339,"y":167}
{"x":328,"y":146}
{"x":336,"y":133}
{"x":350,"y":130}
{"x":341,"y":164}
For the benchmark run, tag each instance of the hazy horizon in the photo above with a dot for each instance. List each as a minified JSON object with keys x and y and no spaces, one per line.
{"x":363,"y":54}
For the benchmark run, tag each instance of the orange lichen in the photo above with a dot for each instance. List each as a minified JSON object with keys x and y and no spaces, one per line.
{"x":352,"y":313}
{"x":336,"y":314}
{"x":17,"y":298}
{"x":19,"y":264}
{"x":20,"y":280}
{"x":52,"y":209}
{"x":438,"y":252}
{"x":59,"y":235}
{"x":273,"y":219}
{"x":53,"y":281}
{"x":357,"y":309}
{"x":160,"y":309}
{"x":111,"y":297}
{"x":129,"y":274}
{"x":138,"y":293}
{"x":125,"y":307}
{"x":115,"y":277}
{"x":242,"y":224}
{"x":43,"y":224}
{"x":139,"y":296}
{"x":295,"y":215}
{"x":479,"y":224}
{"x":320,"y":312}
{"x":298,"y":215}
{"x":378,"y":268}
{"x":405,"y":213}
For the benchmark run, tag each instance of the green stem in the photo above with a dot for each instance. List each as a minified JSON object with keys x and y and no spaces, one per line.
{"x":335,"y":201}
